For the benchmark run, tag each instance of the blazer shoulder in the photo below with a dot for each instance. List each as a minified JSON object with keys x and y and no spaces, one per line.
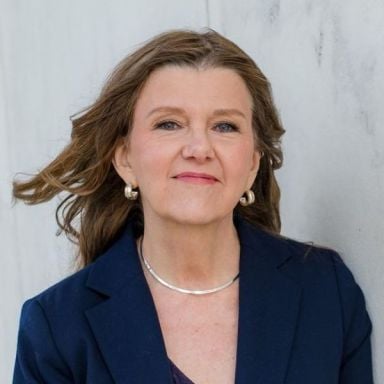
{"x":319,"y":268}
{"x":302,"y":259}
{"x":297,"y":251}
{"x":67,"y":294}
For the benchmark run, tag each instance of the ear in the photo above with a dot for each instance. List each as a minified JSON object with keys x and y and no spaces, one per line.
{"x":122,"y":165}
{"x":256,"y":156}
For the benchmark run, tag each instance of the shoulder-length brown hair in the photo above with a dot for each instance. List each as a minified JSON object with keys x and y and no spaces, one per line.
{"x":94,"y":209}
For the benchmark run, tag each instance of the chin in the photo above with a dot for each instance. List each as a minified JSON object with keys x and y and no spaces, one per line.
{"x":195,"y":218}
{"x":191,"y":212}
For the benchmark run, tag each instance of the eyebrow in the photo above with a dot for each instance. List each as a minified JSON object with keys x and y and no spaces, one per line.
{"x":217,"y":112}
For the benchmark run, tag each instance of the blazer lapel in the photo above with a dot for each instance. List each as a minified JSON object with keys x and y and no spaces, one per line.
{"x":126,"y":325}
{"x":268,"y":309}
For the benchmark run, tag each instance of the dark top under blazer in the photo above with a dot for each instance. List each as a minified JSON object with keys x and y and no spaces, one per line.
{"x":302,"y":320}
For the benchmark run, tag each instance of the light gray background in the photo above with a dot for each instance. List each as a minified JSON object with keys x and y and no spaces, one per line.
{"x":325,"y":60}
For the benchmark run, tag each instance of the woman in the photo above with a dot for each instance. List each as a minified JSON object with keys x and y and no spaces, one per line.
{"x":174,"y":204}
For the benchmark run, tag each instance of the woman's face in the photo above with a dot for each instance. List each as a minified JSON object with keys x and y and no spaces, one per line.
{"x":191,"y":150}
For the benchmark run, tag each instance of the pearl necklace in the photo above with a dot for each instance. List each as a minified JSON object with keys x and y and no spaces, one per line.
{"x":181,"y":290}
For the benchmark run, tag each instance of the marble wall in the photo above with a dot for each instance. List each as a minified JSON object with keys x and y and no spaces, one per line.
{"x":325,"y":60}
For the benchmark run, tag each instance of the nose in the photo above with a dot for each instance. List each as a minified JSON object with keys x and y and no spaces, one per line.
{"x":198,"y":145}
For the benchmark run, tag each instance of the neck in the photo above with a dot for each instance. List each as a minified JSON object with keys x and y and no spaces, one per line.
{"x":192,"y":256}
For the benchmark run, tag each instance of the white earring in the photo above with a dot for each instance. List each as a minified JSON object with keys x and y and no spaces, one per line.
{"x":129,"y":193}
{"x":248,"y":199}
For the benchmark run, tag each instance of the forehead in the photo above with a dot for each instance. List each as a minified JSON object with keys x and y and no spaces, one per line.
{"x":196,"y":89}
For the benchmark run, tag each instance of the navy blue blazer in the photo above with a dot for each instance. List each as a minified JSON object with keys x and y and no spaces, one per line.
{"x":302,"y":320}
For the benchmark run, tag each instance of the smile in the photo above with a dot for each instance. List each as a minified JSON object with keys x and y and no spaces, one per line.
{"x":196,"y":178}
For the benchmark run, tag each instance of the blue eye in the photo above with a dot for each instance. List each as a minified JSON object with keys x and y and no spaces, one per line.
{"x":226,"y":127}
{"x":167,"y":125}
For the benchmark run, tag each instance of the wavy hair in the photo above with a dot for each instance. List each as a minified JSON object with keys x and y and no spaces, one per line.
{"x":94,"y":208}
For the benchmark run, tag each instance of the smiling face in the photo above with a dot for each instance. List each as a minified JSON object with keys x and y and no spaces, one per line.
{"x":191,"y":150}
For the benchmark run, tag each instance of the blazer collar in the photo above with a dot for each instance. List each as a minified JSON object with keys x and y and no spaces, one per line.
{"x":127,"y":328}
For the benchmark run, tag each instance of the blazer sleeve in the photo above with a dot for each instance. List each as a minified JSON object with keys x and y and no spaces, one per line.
{"x":37,"y":358}
{"x":356,"y":365}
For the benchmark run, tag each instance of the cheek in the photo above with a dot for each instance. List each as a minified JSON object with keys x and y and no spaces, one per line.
{"x":150,"y":161}
{"x":242,"y":158}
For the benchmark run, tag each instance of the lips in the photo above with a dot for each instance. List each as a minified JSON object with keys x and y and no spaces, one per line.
{"x":196,"y":177}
